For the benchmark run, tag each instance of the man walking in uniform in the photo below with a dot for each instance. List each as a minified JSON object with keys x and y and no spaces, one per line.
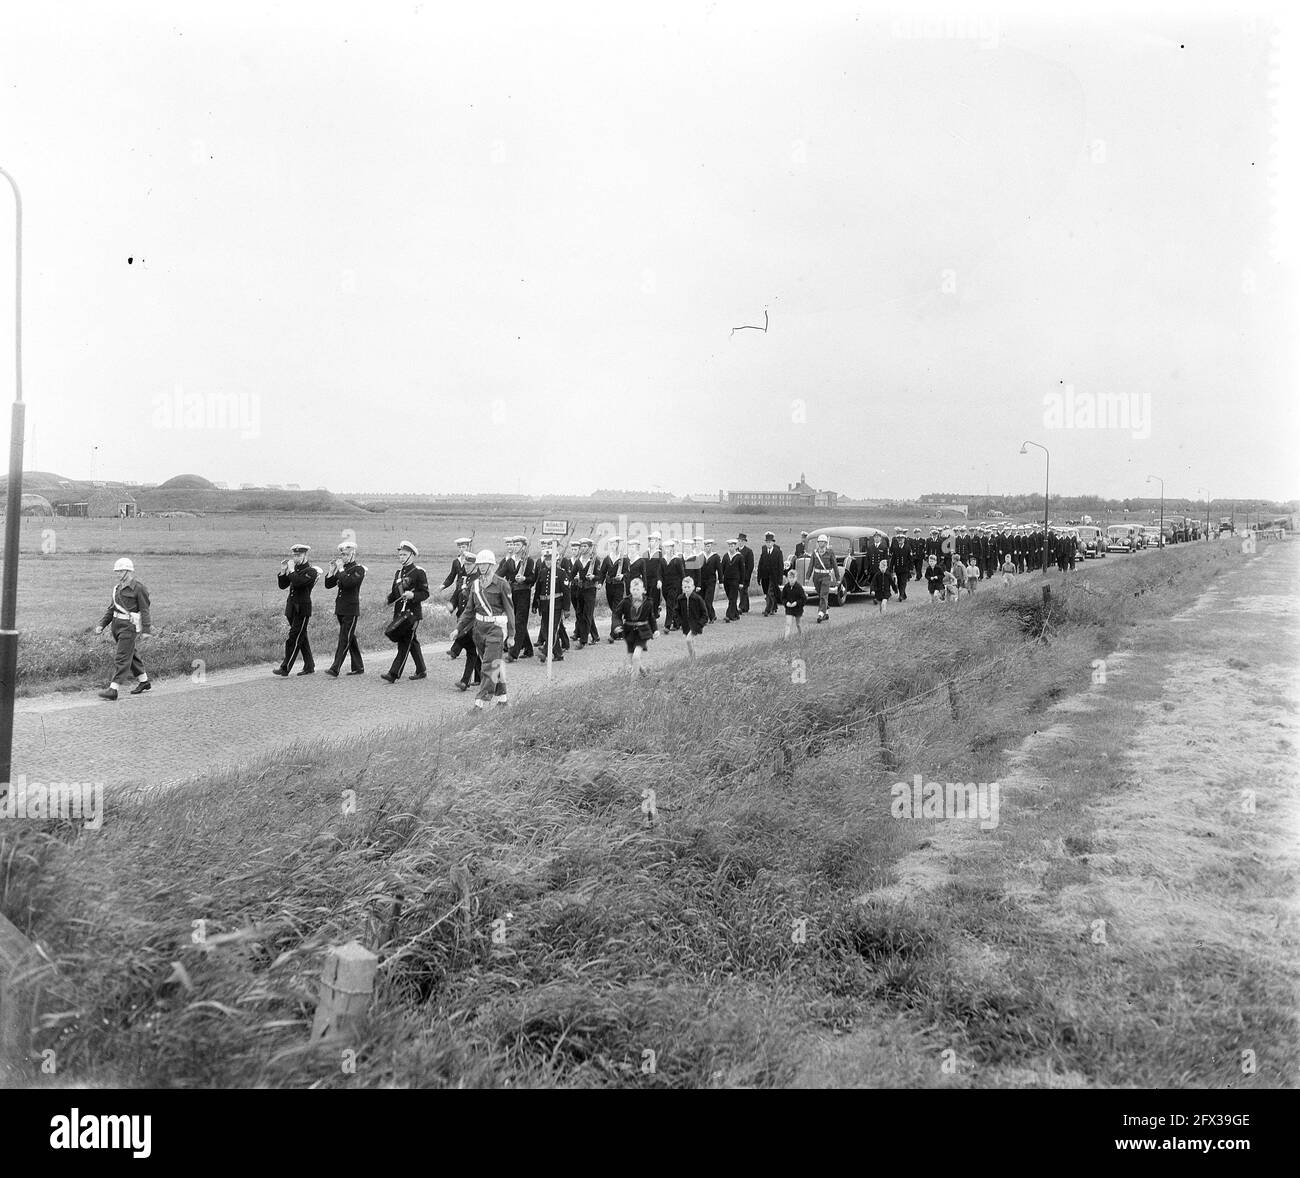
{"x":614,"y":574}
{"x":916,"y":546}
{"x":521,"y":571}
{"x":585,"y":577}
{"x":653,"y":573}
{"x":346,"y":574}
{"x":299,"y":577}
{"x":746,"y":571}
{"x":825,"y":574}
{"x":461,"y":564}
{"x":410,"y":587}
{"x":732,"y":570}
{"x":710,"y":570}
{"x":542,"y":601}
{"x":127,"y":619}
{"x":489,"y":615}
{"x":673,"y":573}
{"x":900,"y":561}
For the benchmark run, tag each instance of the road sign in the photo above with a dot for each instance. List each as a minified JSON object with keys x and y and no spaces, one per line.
{"x":555,"y":527}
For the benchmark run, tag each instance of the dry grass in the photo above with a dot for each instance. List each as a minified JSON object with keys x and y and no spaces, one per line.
{"x":722,"y":937}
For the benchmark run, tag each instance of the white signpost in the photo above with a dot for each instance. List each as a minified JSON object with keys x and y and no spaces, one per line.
{"x":556,"y":528}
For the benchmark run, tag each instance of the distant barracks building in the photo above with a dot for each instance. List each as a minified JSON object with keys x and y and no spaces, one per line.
{"x":798,"y":494}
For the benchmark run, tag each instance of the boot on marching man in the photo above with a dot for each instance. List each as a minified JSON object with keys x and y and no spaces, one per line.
{"x":127,"y":619}
{"x":299,"y":577}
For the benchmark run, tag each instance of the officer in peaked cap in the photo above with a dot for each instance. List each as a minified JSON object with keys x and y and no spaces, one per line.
{"x":299,"y":578}
{"x":410,"y":588}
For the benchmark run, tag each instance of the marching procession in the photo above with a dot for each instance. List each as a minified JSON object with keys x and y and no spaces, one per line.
{"x":671,"y":586}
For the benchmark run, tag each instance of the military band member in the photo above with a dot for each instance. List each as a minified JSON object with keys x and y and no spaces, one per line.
{"x":490,"y":615}
{"x":690,"y":616}
{"x":635,"y":623}
{"x":299,"y":578}
{"x":710,"y":570}
{"x":746,"y":571}
{"x":127,"y":619}
{"x":614,"y":576}
{"x":410,"y":588}
{"x":732,"y":569}
{"x":825,"y":574}
{"x":771,"y":571}
{"x":586,"y":577}
{"x":521,"y":573}
{"x":674,"y":575}
{"x":346,"y":574}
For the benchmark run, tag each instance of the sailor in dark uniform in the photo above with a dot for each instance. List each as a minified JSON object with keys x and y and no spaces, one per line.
{"x":614,"y":576}
{"x":521,"y":572}
{"x":585,"y":577}
{"x":410,"y":588}
{"x":299,"y":577}
{"x":746,"y":571}
{"x":542,"y":601}
{"x":710,"y":570}
{"x":653,"y":572}
{"x":674,"y":571}
{"x":461,"y":564}
{"x":916,"y":545}
{"x":732,"y":570}
{"x":346,"y":575}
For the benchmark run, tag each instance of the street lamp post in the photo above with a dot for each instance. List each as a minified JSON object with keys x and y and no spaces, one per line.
{"x":13,"y":513}
{"x":1047,"y":487}
{"x":1161,"y":481}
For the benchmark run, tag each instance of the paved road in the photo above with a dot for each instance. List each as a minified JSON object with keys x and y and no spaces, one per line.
{"x":181,"y":729}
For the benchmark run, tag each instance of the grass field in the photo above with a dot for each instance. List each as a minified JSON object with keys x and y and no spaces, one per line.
{"x":536,"y":926}
{"x":212,"y":578}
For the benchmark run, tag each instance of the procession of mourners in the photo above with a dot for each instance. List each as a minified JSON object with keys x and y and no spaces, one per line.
{"x":543,"y":605}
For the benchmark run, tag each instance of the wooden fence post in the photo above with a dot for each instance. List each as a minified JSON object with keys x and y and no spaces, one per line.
{"x":886,"y":757}
{"x":346,"y":982}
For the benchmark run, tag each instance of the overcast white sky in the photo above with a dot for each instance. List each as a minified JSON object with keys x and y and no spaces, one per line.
{"x":441,"y":248}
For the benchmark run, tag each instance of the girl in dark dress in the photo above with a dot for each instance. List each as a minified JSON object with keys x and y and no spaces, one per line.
{"x":635,"y":620}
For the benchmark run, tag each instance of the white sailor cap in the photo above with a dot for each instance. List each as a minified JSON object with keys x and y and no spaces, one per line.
{"x":585,"y":542}
{"x":823,"y":538}
{"x":670,"y":543}
{"x":411,"y":548}
{"x":733,"y":541}
{"x":347,"y":546}
{"x":299,"y":547}
{"x":616,"y":539}
{"x":654,"y":536}
{"x":709,"y":541}
{"x":465,"y":540}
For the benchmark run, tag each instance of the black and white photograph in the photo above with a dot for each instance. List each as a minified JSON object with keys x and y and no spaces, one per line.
{"x":706,"y":546}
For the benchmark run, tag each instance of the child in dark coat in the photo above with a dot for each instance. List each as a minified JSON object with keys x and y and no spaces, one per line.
{"x":883,"y":585}
{"x":692,"y":614}
{"x":792,"y":597}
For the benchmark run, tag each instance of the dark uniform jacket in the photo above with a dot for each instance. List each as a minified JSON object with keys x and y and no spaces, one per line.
{"x":654,"y":570}
{"x":692,"y":613}
{"x":674,"y":571}
{"x":771,"y":566}
{"x":585,"y":574}
{"x":710,"y":570}
{"x":348,"y":579}
{"x":494,"y":593}
{"x":732,"y":568}
{"x":414,"y":578}
{"x":614,"y":570}
{"x":641,"y":621}
{"x":900,"y":552}
{"x":299,"y":580}
{"x":542,"y":594}
{"x":747,"y":571}
{"x":459,"y":570}
{"x":129,"y":599}
{"x":521,"y":573}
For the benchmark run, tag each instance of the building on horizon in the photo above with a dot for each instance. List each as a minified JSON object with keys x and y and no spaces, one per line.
{"x":799,"y":494}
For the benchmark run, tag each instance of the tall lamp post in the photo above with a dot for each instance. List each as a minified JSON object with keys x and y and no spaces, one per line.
{"x":13,"y":513}
{"x":1161,"y":481}
{"x":1047,"y":484}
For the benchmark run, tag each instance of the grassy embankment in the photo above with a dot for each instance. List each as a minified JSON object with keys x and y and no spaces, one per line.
{"x":615,"y":936}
